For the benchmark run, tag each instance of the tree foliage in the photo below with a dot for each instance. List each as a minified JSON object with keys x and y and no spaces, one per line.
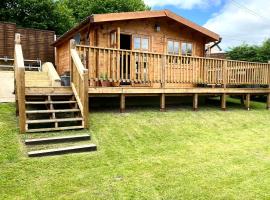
{"x":252,"y":53}
{"x":61,"y":15}
{"x":84,"y":8}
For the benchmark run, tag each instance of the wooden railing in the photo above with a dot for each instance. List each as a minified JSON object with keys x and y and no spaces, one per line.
{"x":79,"y":82}
{"x":19,"y":82}
{"x":133,"y":66}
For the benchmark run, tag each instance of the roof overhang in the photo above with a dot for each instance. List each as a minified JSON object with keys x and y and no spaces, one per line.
{"x":98,"y":18}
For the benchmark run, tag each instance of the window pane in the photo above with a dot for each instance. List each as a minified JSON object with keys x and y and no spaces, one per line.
{"x":77,"y":38}
{"x":170,"y":46}
{"x":176,"y":48}
{"x":137,"y":43}
{"x":145,"y":43}
{"x":113,"y":38}
{"x":189,"y":49}
{"x":184,"y":48}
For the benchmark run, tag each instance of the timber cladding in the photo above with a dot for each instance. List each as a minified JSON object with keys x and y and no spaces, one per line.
{"x":99,"y":35}
{"x":36,"y":44}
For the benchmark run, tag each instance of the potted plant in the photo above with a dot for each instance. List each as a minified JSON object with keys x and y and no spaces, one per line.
{"x":104,"y":82}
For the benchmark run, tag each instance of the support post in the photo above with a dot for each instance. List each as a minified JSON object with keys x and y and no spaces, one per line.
{"x":247,"y":104}
{"x":242,"y":100}
{"x":195,"y":102}
{"x":268,"y":102}
{"x":223,"y":102}
{"x":122,"y":103}
{"x":162,"y":102}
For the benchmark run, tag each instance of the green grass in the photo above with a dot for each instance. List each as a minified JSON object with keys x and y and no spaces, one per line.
{"x":145,"y":154}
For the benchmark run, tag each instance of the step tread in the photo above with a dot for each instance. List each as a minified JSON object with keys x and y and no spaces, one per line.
{"x":49,"y":102}
{"x":50,"y":94}
{"x":45,"y":80}
{"x":57,"y":139}
{"x":53,"y":129}
{"x":51,"y":111}
{"x":36,"y":121}
{"x":88,"y":147}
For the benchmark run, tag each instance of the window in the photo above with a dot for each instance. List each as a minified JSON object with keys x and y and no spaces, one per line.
{"x":77,"y":38}
{"x":145,"y":43}
{"x":186,"y":49}
{"x":173,"y":47}
{"x":141,"y":43}
{"x":137,"y":43}
{"x":113,"y":39}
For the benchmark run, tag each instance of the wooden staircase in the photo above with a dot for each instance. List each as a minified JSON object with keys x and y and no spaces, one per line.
{"x":52,"y":112}
{"x":43,"y":105}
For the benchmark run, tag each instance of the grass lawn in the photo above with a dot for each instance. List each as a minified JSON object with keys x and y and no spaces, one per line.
{"x":145,"y":154}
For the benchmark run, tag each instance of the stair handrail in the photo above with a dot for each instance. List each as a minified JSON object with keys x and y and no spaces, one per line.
{"x":52,"y":73}
{"x":19,"y":78}
{"x":79,"y":81}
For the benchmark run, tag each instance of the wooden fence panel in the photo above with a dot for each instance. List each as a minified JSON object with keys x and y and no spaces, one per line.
{"x":36,"y":44}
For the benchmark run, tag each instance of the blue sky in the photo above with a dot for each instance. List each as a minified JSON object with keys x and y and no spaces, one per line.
{"x":236,"y":21}
{"x":197,"y":15}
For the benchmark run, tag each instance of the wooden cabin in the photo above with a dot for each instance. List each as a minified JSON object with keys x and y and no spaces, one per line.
{"x":150,"y":53}
{"x":149,"y":33}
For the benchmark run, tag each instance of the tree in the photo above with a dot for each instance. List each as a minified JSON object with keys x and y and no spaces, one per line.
{"x":252,"y":53}
{"x":83,"y":8}
{"x":61,"y":15}
{"x":41,"y":14}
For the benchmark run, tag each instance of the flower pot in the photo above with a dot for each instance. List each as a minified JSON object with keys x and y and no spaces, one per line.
{"x":116,"y":84}
{"x":105,"y":83}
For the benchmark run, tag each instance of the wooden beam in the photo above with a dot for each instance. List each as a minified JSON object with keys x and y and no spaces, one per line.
{"x":223,"y":101}
{"x":247,"y":103}
{"x":195,"y":101}
{"x":122,"y":103}
{"x":162,"y":102}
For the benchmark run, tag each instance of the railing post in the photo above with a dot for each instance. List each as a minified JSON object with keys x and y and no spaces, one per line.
{"x":79,"y":83}
{"x":19,"y":82}
{"x":85,"y":98}
{"x":163,"y":70}
{"x":224,"y":74}
{"x":72,"y":46}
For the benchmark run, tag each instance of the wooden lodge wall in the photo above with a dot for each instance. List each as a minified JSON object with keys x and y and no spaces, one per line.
{"x":100,"y":36}
{"x":36,"y":44}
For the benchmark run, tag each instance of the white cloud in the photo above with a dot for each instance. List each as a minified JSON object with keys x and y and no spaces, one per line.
{"x":184,"y":4}
{"x":236,"y":24}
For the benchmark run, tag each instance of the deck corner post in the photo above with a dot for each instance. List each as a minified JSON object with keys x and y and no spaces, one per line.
{"x":247,"y":103}
{"x":268,"y":102}
{"x":223,"y":102}
{"x":195,"y":102}
{"x":162,"y":103}
{"x":122,"y":103}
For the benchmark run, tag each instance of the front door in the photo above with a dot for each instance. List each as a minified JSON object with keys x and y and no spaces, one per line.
{"x":125,"y":44}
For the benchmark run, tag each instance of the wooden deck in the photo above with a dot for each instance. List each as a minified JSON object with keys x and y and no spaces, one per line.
{"x":158,"y":75}
{"x":99,"y":91}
